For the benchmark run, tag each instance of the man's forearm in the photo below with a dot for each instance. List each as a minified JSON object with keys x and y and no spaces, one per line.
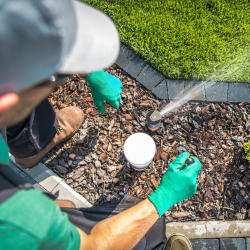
{"x":122,"y":231}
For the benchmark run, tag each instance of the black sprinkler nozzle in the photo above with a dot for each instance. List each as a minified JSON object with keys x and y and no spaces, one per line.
{"x":189,"y":161}
{"x":153,"y":119}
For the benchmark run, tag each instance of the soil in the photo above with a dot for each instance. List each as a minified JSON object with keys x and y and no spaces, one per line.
{"x":92,"y":161}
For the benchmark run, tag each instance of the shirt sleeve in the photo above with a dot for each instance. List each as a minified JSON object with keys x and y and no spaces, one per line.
{"x":31,"y":220}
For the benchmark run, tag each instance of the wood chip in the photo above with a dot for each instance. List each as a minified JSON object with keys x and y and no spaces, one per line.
{"x":109,"y":147}
{"x":128,"y":117}
{"x":164,"y":156}
{"x":111,"y":124}
{"x":158,"y":154}
{"x":87,"y":99}
{"x":154,"y":182}
{"x":180,"y":214}
{"x":103,"y":158}
{"x":145,"y":103}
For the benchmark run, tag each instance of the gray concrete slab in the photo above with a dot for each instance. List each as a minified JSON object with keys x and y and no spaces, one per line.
{"x":195,"y":90}
{"x":216,"y":91}
{"x":149,"y":77}
{"x":40,"y":174}
{"x":33,"y":182}
{"x":125,"y":56}
{"x":44,"y":176}
{"x":205,"y":244}
{"x":247,"y":243}
{"x":210,"y":229}
{"x":44,"y":179}
{"x":65,"y":192}
{"x":175,"y":89}
{"x":38,"y":186}
{"x":27,"y":178}
{"x":161,"y":90}
{"x":135,"y":66}
{"x":15,"y":168}
{"x":238,"y":92}
{"x":232,"y":244}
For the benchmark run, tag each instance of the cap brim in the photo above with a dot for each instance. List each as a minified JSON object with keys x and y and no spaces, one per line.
{"x":96,"y":44}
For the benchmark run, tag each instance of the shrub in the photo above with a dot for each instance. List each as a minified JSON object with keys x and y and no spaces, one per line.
{"x":247,"y":150}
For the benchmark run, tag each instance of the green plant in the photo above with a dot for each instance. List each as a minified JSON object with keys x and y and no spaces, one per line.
{"x":247,"y":150}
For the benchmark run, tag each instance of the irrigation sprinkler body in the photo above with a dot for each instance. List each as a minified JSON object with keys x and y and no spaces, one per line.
{"x":154,"y":122}
{"x":154,"y":125}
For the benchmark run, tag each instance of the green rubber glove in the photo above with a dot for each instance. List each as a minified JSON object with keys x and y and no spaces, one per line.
{"x":177,"y":184}
{"x":104,"y":87}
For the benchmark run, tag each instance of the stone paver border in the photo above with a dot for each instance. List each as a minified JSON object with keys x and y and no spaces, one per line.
{"x":210,"y":229}
{"x":46,"y":180}
{"x":168,"y":89}
{"x":220,"y":244}
{"x":214,"y":235}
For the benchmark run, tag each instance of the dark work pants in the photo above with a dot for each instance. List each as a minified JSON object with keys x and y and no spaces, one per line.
{"x":31,"y":136}
{"x":87,"y":218}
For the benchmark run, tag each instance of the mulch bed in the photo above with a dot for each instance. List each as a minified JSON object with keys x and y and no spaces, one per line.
{"x":92,"y":161}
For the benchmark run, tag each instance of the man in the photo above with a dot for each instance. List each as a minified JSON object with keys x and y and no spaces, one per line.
{"x":39,"y":38}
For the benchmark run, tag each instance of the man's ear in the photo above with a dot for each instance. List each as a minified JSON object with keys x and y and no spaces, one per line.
{"x":8,"y":100}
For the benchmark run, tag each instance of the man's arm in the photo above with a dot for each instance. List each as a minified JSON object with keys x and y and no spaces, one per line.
{"x":122,"y":231}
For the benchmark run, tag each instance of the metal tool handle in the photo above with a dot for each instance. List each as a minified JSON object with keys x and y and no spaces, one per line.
{"x":189,"y":161}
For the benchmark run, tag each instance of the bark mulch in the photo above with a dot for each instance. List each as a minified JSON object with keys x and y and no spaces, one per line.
{"x":92,"y":161}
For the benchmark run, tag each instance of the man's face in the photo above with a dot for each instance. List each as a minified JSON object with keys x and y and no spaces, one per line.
{"x":28,"y":100}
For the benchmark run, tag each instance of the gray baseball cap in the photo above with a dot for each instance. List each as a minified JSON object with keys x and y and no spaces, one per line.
{"x":39,"y":38}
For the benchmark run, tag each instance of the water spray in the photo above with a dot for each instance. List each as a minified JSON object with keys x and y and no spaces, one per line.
{"x":154,"y":122}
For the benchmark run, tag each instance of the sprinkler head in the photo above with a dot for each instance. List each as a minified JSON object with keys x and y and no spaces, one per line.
{"x":153,"y":119}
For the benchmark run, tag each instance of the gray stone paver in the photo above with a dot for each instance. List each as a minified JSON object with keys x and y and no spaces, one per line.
{"x":14,"y":168}
{"x":216,"y":91}
{"x":27,"y":178}
{"x":149,"y":77}
{"x":33,"y":182}
{"x":205,"y":244}
{"x":125,"y":56}
{"x":38,"y":186}
{"x":175,"y":89}
{"x":232,"y":244}
{"x":247,"y":243}
{"x":44,"y":179}
{"x":44,"y":176}
{"x":65,"y":192}
{"x":161,"y":90}
{"x":135,"y":66}
{"x":238,"y":92}
{"x":195,"y":90}
{"x":210,"y":229}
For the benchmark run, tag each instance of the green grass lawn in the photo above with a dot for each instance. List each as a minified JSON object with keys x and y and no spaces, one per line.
{"x":186,"y":39}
